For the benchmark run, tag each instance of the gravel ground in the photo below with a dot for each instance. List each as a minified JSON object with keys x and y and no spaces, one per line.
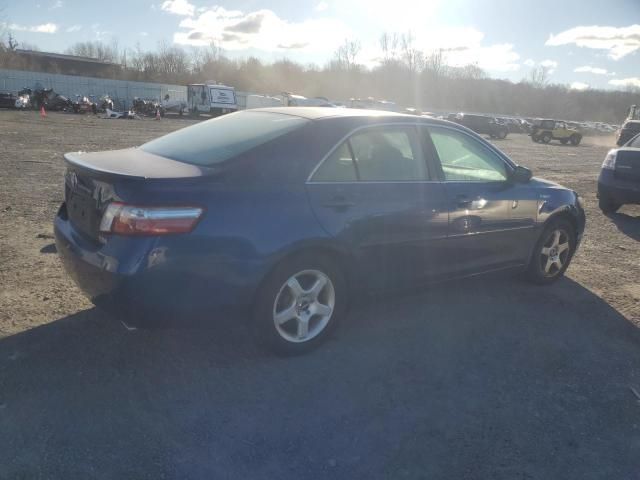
{"x":477,"y":379}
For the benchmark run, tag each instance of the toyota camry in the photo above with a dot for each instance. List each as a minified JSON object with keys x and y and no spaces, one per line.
{"x":278,"y":216}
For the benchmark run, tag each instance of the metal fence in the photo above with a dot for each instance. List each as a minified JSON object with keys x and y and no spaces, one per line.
{"x":121,"y":91}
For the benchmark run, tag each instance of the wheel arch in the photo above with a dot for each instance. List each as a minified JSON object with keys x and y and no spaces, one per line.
{"x":341,"y":256}
{"x":562,"y":213}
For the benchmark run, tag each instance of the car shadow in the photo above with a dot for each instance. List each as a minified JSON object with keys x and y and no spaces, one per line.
{"x":493,"y":377}
{"x":627,"y":224}
{"x":51,"y":248}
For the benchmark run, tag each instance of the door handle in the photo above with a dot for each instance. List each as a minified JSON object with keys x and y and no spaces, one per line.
{"x":463,"y":200}
{"x":339,"y":203}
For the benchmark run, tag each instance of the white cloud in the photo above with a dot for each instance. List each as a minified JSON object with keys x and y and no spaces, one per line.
{"x":588,"y":69}
{"x":529,"y":62}
{"x":56,"y":4}
{"x":321,"y":7}
{"x":618,"y":41}
{"x":626,"y":82}
{"x":261,"y":29}
{"x":144,"y":34}
{"x":43,"y":28}
{"x":460,"y":46}
{"x":73,"y":28}
{"x":579,"y":86}
{"x":178,"y":7}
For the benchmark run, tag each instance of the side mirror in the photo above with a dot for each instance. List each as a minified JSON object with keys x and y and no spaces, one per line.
{"x":521,"y":174}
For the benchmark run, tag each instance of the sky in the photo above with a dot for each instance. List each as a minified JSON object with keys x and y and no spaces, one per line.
{"x":582,"y":43}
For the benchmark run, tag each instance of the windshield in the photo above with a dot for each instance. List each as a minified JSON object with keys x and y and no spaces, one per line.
{"x":222,"y":138}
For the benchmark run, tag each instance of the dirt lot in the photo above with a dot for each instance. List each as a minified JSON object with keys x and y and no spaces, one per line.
{"x":478,"y":379}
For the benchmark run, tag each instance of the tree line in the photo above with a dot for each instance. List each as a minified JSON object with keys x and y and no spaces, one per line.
{"x":404,"y":74}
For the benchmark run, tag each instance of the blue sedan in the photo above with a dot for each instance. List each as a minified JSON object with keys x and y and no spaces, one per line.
{"x":279,"y":215}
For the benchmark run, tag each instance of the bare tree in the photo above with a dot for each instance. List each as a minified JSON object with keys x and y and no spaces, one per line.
{"x":389,"y":46}
{"x":539,"y":76}
{"x":345,"y":57}
{"x":413,"y":58}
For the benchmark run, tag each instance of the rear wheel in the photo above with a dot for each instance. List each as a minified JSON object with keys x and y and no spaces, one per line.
{"x":552,"y":253}
{"x":546,"y":137}
{"x":575,"y":139}
{"x":299,"y":304}
{"x":502,"y":134}
{"x":607,"y":205}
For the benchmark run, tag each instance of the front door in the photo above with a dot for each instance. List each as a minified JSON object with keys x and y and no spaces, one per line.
{"x":487,"y":221}
{"x":375,"y":194}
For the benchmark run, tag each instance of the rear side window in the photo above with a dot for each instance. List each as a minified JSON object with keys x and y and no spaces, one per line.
{"x":338,"y":167}
{"x":376,"y":154}
{"x":222,"y":138}
{"x":388,"y":154}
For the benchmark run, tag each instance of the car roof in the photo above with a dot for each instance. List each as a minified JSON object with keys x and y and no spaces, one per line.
{"x":363,"y":114}
{"x":315,"y":113}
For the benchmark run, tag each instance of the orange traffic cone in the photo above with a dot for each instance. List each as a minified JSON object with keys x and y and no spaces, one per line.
{"x":43,"y":112}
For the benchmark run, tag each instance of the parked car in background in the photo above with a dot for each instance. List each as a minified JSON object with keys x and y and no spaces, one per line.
{"x":513,"y":124}
{"x":543,"y":131}
{"x":619,"y":181}
{"x":18,"y":101}
{"x":280,"y":215}
{"x":483,"y":124}
{"x":628,"y":130}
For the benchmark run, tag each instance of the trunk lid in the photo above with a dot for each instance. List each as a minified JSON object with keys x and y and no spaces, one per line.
{"x":93,"y":180}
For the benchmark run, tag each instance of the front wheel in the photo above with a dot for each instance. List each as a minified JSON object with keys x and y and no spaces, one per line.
{"x":300,"y":303}
{"x":502,"y":135}
{"x":575,"y":140}
{"x":552,"y":253}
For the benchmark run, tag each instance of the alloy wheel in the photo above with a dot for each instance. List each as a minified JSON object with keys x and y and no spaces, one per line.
{"x":303,"y":306}
{"x":555,"y":252}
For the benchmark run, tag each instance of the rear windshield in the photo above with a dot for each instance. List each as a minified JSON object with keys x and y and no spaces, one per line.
{"x":222,"y":138}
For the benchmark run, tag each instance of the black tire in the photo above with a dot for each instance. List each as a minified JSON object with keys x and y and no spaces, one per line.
{"x":275,"y":288}
{"x":537,"y":272}
{"x":546,"y":137}
{"x":575,"y":140}
{"x":607,"y":205}
{"x":564,"y":141}
{"x":502,"y":135}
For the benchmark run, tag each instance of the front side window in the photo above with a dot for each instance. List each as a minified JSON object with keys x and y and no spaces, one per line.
{"x":388,"y":154}
{"x":465,"y":159}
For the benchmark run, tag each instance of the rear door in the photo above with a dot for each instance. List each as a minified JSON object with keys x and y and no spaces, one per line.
{"x":490,"y":218}
{"x":375,"y":194}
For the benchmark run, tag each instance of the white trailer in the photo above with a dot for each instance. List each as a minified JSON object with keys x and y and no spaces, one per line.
{"x":211,"y":98}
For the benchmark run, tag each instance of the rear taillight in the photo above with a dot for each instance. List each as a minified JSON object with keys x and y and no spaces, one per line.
{"x":610,"y":160}
{"x":122,"y":219}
